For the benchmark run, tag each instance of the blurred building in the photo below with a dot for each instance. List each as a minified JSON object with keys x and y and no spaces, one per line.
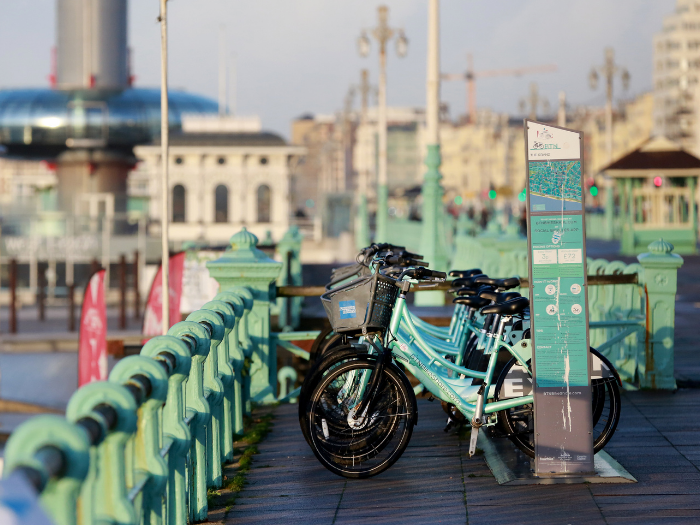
{"x":482,"y":156}
{"x":225,"y":173}
{"x":404,"y":151}
{"x":326,"y":167}
{"x":84,"y":128}
{"x":633,"y":124}
{"x":676,"y":59}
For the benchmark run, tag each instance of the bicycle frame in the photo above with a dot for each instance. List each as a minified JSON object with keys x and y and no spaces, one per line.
{"x":410,"y":348}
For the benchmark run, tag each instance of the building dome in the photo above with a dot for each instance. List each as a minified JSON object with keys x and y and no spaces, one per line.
{"x":45,"y":122}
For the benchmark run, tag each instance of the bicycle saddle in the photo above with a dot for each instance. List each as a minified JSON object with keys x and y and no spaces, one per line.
{"x":467,"y":281}
{"x":474,"y":302}
{"x":511,"y":307}
{"x":464,"y":292}
{"x":499,"y":297}
{"x":505,"y":284}
{"x":465,"y":273}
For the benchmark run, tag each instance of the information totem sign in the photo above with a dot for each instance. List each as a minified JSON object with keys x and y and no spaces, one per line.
{"x":556,"y":234}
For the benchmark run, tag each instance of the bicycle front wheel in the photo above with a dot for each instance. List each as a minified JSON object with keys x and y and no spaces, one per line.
{"x":360,"y":446}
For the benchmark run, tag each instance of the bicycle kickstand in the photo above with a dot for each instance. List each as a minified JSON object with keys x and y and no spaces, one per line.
{"x":477,"y":421}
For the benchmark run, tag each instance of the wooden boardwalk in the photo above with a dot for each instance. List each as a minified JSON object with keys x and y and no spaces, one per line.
{"x":658,"y":442}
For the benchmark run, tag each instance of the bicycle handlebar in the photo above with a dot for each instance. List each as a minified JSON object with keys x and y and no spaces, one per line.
{"x":423,"y":273}
{"x":404,"y":261}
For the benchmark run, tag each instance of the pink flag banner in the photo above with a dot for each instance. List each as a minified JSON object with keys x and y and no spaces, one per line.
{"x":92,"y":342}
{"x":153,"y":317}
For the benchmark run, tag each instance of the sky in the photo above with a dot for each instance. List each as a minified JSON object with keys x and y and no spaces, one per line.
{"x":300,"y":56}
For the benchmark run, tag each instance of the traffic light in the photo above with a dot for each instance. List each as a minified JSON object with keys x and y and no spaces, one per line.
{"x":492,"y":194}
{"x":594,"y":190}
{"x":658,"y":181}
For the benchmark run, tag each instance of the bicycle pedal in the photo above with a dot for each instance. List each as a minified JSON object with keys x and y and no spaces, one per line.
{"x":450,"y":424}
{"x":431,"y":399}
{"x":472,"y":441}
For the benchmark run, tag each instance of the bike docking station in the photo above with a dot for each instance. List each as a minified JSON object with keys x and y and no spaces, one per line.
{"x":562,"y":366}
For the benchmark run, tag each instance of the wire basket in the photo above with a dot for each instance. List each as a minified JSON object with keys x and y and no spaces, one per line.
{"x":363,"y":305}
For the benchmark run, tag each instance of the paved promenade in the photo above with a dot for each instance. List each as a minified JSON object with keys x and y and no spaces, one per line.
{"x":658,"y":442}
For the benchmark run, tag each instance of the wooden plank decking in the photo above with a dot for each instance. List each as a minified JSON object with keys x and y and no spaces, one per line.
{"x":658,"y":441}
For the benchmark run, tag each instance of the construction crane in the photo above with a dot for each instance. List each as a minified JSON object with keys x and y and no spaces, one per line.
{"x":470,"y":77}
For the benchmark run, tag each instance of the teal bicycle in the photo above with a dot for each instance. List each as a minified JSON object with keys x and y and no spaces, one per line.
{"x":360,"y":414}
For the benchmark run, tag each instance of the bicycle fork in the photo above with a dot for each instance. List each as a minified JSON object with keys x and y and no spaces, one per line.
{"x":384,"y":356}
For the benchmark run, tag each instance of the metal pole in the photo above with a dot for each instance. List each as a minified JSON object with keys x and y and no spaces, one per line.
{"x":610,"y":70}
{"x":71,"y":307}
{"x":137,"y":294}
{"x":432,"y":192}
{"x":288,"y":317}
{"x":41,"y":295}
{"x":561,"y":116}
{"x":471,"y":90}
{"x":165,"y":160}
{"x":222,"y":70}
{"x":122,"y":292}
{"x":362,"y":237}
{"x":382,"y":183}
{"x":13,"y":296}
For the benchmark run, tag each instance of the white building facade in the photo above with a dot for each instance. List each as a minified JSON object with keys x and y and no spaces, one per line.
{"x":220,"y":182}
{"x":675,"y":77}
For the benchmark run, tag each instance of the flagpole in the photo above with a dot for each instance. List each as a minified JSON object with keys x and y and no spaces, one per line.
{"x":165,"y":190}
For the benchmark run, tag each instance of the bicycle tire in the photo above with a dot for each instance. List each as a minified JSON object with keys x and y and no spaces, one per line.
{"x":518,"y":422}
{"x":324,"y":339}
{"x":379,"y":438}
{"x":315,"y":374}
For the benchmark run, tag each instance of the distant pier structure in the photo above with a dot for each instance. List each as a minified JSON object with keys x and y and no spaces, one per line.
{"x":78,"y":135}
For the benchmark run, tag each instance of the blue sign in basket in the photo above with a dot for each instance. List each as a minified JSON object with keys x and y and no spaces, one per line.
{"x":347,"y":309}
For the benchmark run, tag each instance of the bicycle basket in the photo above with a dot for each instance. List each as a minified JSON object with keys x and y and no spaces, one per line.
{"x":345,"y":273}
{"x":362,"y":305}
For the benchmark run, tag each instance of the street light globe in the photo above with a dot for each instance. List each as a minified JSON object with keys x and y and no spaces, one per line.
{"x":593,"y":79}
{"x":625,"y":79}
{"x":401,"y":44}
{"x":363,"y":44}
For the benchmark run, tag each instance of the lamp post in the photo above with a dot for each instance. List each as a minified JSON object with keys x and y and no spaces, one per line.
{"x":432,"y":191}
{"x":362,"y":234}
{"x":608,"y":71}
{"x":383,"y":34}
{"x":165,"y":191}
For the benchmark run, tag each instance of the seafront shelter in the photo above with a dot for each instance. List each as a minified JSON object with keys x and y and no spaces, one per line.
{"x":655,"y":186}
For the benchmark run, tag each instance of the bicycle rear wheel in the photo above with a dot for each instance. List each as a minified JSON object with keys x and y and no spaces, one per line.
{"x":370,"y":443}
{"x":518,"y":422}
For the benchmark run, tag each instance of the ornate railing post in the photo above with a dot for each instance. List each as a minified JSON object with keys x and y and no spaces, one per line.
{"x":147,"y":461}
{"x":237,"y":357}
{"x":176,"y":434}
{"x":104,"y":497}
{"x":60,"y":497}
{"x":245,"y":265}
{"x":213,"y":391}
{"x":197,"y":412}
{"x":289,"y":249}
{"x":227,"y":377}
{"x":660,"y":283}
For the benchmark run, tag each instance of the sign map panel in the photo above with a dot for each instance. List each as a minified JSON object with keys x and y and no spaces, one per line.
{"x":558,"y":301}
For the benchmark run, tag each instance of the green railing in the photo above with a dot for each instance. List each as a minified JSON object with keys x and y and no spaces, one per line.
{"x":631,"y":306}
{"x":146,"y":445}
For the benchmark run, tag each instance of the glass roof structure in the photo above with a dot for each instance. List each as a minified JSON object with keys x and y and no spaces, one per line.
{"x":53,"y":120}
